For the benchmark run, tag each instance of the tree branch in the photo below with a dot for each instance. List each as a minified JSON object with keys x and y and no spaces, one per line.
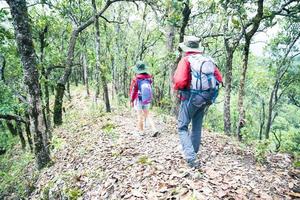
{"x":294,"y":100}
{"x":279,"y":12}
{"x":111,"y":21}
{"x":13,"y":117}
{"x":212,"y":35}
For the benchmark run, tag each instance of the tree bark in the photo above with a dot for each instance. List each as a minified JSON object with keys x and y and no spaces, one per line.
{"x":28,"y":133}
{"x":21,"y":136}
{"x":248,"y":36}
{"x":26,"y":49}
{"x":262,"y":119}
{"x":13,"y":117}
{"x":45,"y":74}
{"x":241,"y":120}
{"x":230,"y":43}
{"x":85,"y":74}
{"x":57,"y":114}
{"x":171,"y":37}
{"x":102,"y":72}
{"x":11,"y":128}
{"x":228,"y":82}
{"x":125,"y":75}
{"x":172,"y":68}
{"x":2,"y":67}
{"x":97,"y":48}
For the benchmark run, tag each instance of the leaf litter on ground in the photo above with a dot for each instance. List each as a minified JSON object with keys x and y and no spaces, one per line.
{"x":94,"y":165}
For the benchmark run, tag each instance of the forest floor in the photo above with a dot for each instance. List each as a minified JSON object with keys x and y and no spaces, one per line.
{"x":102,"y":156}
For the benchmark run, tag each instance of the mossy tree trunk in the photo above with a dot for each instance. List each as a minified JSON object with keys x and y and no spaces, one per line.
{"x":24,"y":40}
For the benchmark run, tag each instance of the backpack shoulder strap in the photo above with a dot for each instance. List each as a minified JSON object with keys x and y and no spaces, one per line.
{"x":138,"y":82}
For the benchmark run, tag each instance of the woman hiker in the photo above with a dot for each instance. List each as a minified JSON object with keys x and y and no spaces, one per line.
{"x":141,"y":96}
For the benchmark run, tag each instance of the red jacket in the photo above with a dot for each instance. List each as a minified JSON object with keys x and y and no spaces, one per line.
{"x":133,"y":93}
{"x":182,"y":75}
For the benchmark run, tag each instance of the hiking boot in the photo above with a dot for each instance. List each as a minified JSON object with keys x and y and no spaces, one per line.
{"x":156,"y":133}
{"x":193,"y":164}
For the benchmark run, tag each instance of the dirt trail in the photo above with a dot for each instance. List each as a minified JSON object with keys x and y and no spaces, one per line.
{"x":102,"y":156}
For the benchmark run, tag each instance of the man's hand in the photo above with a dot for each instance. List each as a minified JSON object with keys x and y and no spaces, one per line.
{"x":131,"y":103}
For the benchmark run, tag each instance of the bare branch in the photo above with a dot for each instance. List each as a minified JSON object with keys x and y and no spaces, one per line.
{"x":294,"y":100}
{"x":111,"y":21}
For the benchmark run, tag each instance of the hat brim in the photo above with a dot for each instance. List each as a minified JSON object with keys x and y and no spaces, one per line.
{"x":189,"y":49}
{"x":140,"y":71}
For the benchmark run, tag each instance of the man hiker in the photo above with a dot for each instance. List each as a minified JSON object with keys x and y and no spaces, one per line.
{"x":196,"y":79}
{"x":141,"y":96}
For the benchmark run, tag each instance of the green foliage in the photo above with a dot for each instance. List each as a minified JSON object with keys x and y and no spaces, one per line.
{"x":74,"y":193}
{"x":249,"y":134}
{"x":7,"y":141}
{"x":46,"y":189}
{"x":165,"y":104}
{"x":291,"y":141}
{"x":213,"y":120}
{"x":57,"y":142}
{"x":108,"y":128}
{"x":261,"y":150}
{"x":8,"y":103}
{"x":140,"y":36}
{"x":144,"y":160}
{"x":16,"y":174}
{"x":97,"y":110}
{"x":122,"y":100}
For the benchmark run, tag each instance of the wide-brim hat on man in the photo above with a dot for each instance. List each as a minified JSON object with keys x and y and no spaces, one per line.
{"x":191,"y":44}
{"x":140,"y":68}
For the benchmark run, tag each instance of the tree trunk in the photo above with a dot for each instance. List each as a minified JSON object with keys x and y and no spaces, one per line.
{"x":21,"y":136}
{"x":85,"y":74}
{"x":186,"y":16}
{"x":172,"y":68}
{"x":26,"y":49}
{"x":11,"y":128}
{"x":47,"y":101}
{"x":270,"y":113}
{"x":230,"y":49}
{"x":57,"y":114}
{"x":97,"y":48}
{"x":75,"y":77}
{"x":45,"y":75}
{"x":28,"y":133}
{"x":69,"y":91}
{"x":228,"y":81}
{"x":125,"y":75}
{"x":262,"y":119}
{"x":2,"y":67}
{"x":248,"y":36}
{"x":241,"y":120}
{"x":102,"y":72}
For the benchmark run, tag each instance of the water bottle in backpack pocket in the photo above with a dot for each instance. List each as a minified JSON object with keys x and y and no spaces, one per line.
{"x":144,"y":91}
